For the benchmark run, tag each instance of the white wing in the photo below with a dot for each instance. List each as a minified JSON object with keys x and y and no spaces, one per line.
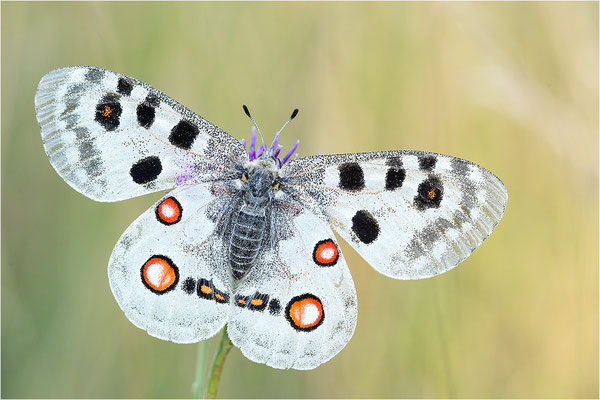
{"x":112,"y":137}
{"x":169,"y":272}
{"x":410,"y":214}
{"x":297,"y":307}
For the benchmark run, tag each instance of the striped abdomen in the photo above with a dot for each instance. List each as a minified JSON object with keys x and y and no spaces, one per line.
{"x":246,"y":239}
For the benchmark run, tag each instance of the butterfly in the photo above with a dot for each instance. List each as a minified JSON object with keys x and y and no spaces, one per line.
{"x":244,"y":238}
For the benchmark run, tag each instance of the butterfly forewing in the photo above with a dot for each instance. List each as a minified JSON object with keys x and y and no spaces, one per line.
{"x":410,"y":214}
{"x":113,"y":137}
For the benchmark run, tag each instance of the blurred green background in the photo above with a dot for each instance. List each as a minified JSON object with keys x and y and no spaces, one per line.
{"x":513,"y":87}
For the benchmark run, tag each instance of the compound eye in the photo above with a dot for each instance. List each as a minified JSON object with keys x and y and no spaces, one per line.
{"x":276,"y":185}
{"x":244,"y":177}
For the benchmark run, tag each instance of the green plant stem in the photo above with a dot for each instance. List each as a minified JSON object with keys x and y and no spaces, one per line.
{"x":198,"y":388}
{"x":217,"y":365}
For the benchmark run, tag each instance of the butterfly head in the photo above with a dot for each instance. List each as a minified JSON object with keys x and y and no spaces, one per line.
{"x":260,"y":180}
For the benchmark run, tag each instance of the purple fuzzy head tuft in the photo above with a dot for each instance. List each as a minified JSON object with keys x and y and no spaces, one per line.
{"x":274,"y":150}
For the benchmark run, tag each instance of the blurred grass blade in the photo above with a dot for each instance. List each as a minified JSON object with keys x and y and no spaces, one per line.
{"x":198,"y":387}
{"x":217,"y":365}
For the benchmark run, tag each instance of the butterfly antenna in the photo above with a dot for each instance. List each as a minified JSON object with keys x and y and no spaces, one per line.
{"x":276,"y":139}
{"x":252,"y":119}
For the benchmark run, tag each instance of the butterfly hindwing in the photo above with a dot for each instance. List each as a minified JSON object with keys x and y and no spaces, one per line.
{"x":410,"y":214}
{"x":169,"y":272}
{"x":297,"y":306}
{"x":114,"y":137}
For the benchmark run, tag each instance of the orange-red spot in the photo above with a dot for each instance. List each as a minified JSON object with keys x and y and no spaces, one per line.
{"x":431,"y":194}
{"x":106,"y":111}
{"x":158,"y":274}
{"x":241,"y":301}
{"x":169,"y":211}
{"x":306,"y":313}
{"x":256,"y":302}
{"x":205,"y":289}
{"x":219,"y":297}
{"x":326,"y":253}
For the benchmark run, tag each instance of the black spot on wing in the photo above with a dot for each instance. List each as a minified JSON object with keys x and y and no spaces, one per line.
{"x":183,"y":134}
{"x":427,"y":163}
{"x":394,"y":178}
{"x":189,"y":285}
{"x":108,"y":112}
{"x":124,"y":87}
{"x":429,"y":194}
{"x":146,"y":111}
{"x":274,"y":307}
{"x":365,"y":226}
{"x":145,"y":115}
{"x":146,"y":170}
{"x":352,"y":177}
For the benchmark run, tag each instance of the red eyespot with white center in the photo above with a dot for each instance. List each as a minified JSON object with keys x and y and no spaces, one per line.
{"x":159,"y":274}
{"x":326,"y":253}
{"x":305,"y":312}
{"x":168,"y":211}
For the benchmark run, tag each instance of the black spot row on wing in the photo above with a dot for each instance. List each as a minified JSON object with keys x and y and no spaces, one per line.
{"x":205,"y":289}
{"x":258,"y":302}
